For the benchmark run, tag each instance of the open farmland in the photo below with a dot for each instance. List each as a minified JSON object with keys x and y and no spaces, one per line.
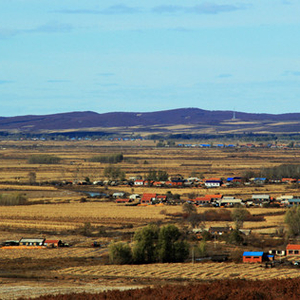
{"x":139,"y":156}
{"x":61,"y":211}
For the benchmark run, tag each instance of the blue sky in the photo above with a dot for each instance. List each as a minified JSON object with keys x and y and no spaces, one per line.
{"x":104,"y":56}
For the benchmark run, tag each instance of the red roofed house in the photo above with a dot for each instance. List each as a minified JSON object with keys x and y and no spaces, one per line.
{"x":288,"y":180}
{"x":53,"y":243}
{"x":203,"y":200}
{"x":139,"y":182}
{"x":147,"y":198}
{"x":292,"y":249}
{"x":215,"y":197}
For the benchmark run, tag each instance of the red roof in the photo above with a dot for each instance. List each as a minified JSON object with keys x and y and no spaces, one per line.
{"x":148,"y":196}
{"x":218,"y":196}
{"x":288,"y":179}
{"x":51,"y":241}
{"x":292,"y":247}
{"x":203,"y":198}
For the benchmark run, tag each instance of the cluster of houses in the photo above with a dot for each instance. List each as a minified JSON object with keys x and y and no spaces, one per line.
{"x":260,"y":256}
{"x":35,"y":243}
{"x":248,"y":145}
{"x":179,"y":181}
{"x":210,"y":200}
{"x":219,"y":200}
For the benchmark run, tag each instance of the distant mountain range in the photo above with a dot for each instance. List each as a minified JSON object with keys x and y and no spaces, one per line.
{"x":184,"y":120}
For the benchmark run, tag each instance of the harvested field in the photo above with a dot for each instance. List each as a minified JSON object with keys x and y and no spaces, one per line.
{"x":59,"y":211}
{"x":187,"y":272}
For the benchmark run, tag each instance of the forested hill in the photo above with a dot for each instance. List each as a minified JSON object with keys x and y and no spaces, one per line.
{"x":221,"y":121}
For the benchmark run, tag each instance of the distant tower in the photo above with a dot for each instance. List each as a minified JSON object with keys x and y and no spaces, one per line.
{"x":233,"y":115}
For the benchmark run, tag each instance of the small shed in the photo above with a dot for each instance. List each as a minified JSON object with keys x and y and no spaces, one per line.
{"x":253,"y":257}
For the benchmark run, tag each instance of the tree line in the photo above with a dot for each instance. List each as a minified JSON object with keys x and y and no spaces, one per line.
{"x":111,"y":159}
{"x":151,"y":244}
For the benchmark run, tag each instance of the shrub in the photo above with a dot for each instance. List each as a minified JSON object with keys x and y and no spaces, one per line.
{"x":43,"y":159}
{"x":120,"y":253}
{"x":13,"y":199}
{"x":86,"y":229}
{"x":235,"y":237}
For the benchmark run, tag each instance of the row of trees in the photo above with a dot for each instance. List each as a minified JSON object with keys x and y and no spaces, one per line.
{"x":43,"y":159}
{"x":157,"y":175}
{"x":277,"y":172}
{"x":151,"y":244}
{"x":111,"y":159}
{"x":113,"y":173}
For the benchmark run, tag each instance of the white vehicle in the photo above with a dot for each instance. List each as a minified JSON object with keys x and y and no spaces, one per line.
{"x":134,"y":196}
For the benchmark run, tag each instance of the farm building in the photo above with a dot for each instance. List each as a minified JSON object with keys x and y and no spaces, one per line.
{"x":147,"y":198}
{"x":294,"y":202}
{"x":11,"y":243}
{"x":202,"y":201}
{"x":288,"y":180}
{"x":53,"y":243}
{"x":278,"y":252}
{"x":259,"y":180}
{"x":292,"y":249}
{"x":219,"y":230}
{"x":31,"y":242}
{"x":213,"y":183}
{"x":214,"y":197}
{"x":139,"y":182}
{"x":229,"y":201}
{"x":256,"y":257}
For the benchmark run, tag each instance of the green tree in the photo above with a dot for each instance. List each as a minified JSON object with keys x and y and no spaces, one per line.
{"x":120,"y":253}
{"x":144,"y":250}
{"x":170,"y":248}
{"x":202,"y":249}
{"x":292,"y":219}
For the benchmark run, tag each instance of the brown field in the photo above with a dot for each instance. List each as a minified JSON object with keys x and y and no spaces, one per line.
{"x":59,"y":212}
